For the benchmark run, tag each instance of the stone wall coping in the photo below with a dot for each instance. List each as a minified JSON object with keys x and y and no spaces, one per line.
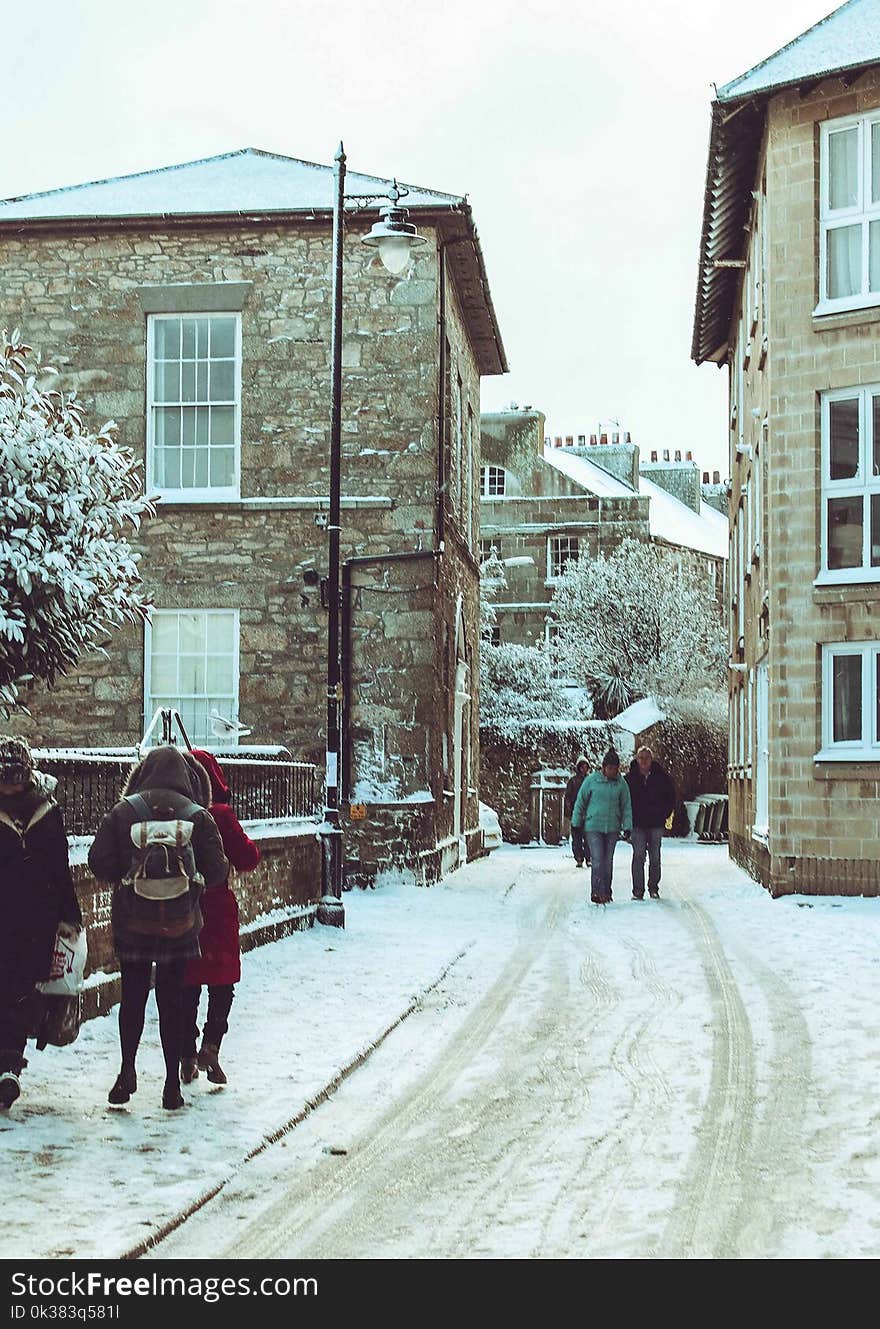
{"x":266,"y":831}
{"x":286,"y":503}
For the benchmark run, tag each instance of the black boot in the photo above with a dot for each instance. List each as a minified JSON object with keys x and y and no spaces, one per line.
{"x":11,"y":1065}
{"x":172,"y":1098}
{"x":126,"y":1084}
{"x":209,"y":1061}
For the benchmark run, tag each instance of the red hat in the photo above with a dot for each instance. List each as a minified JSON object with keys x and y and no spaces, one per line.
{"x":219,"y":787}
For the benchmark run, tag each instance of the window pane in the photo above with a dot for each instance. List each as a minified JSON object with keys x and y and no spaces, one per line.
{"x":222,"y":380}
{"x":222,"y":466}
{"x":167,"y":467}
{"x":875,"y":530}
{"x":843,"y":428}
{"x":844,"y":261}
{"x":202,"y":381}
{"x":200,"y":468}
{"x":167,"y":380}
{"x":875,"y":163}
{"x":219,"y":673}
{"x":188,"y":381}
{"x":189,"y":339}
{"x":847,"y":689}
{"x":202,"y":420}
{"x":220,"y":629}
{"x":167,"y":338}
{"x":845,"y":532}
{"x":222,"y":338}
{"x":201,"y":325}
{"x":223,"y":425}
{"x":188,"y":419}
{"x":843,"y":168}
{"x":167,"y":426}
{"x":874,"y":255}
{"x":164,"y":633}
{"x":163,"y":673}
{"x":877,"y":698}
{"x":192,"y":632}
{"x":192,"y":673}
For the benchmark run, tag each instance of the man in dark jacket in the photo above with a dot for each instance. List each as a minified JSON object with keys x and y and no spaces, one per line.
{"x":653,"y":799}
{"x":162,"y":780}
{"x":37,"y":898}
{"x":578,"y":840}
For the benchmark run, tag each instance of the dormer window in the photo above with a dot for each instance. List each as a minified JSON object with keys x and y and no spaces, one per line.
{"x":493,"y":482}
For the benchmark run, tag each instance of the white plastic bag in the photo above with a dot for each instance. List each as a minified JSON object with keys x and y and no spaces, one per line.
{"x":68,"y":966}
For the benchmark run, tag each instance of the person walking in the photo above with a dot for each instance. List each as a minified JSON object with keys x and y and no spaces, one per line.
{"x":158,"y":848}
{"x":653,"y":800}
{"x":219,"y":965}
{"x":603,"y":809}
{"x":579,"y":847}
{"x":37,"y":899}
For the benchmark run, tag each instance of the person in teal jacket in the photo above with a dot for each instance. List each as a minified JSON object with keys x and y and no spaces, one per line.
{"x":603,"y":809}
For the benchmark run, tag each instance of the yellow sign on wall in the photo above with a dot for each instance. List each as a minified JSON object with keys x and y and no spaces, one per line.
{"x":357,"y":811}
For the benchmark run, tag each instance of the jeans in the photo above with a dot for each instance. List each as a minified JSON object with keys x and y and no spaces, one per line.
{"x":602,"y":855}
{"x":579,"y":845}
{"x":645,"y":840}
{"x":219,"y":1005}
{"x":14,"y":992}
{"x":132,"y":1007}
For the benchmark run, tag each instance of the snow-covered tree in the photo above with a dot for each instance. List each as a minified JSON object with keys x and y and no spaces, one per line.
{"x":636,"y":622}
{"x":67,"y":571}
{"x":516,"y":685}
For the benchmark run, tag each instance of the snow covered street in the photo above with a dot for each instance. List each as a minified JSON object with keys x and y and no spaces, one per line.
{"x":694,"y":1077}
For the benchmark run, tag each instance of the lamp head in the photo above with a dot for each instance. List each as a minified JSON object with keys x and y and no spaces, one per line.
{"x":394,"y":235}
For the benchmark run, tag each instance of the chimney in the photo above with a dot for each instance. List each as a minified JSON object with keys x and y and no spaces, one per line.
{"x":592,"y":440}
{"x":616,"y":457}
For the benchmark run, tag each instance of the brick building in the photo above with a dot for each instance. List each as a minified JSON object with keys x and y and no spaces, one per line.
{"x":789,"y":299}
{"x":545,"y":500}
{"x":192,"y":305}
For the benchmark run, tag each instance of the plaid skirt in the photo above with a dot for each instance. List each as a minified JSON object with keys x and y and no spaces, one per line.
{"x":136,"y":947}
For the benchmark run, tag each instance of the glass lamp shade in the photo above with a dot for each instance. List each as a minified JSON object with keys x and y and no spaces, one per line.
{"x":394,"y":251}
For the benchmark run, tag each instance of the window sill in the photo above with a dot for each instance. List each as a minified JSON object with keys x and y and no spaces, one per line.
{"x":173,"y":496}
{"x":761,"y":835}
{"x":854,"y":756}
{"x":827,"y":317}
{"x":848,"y":577}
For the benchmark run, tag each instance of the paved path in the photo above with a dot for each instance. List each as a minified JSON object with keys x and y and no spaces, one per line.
{"x":620,"y":1082}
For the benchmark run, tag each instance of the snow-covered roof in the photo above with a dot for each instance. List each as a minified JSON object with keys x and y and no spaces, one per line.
{"x":639,"y":717}
{"x":247,"y":180}
{"x":844,"y":39}
{"x":673,"y":521}
{"x":669,"y":519}
{"x":587,"y":474}
{"x":847,"y":40}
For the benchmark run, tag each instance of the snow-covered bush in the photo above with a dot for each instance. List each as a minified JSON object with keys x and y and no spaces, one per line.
{"x":636,"y":622}
{"x":67,"y":571}
{"x":692,"y":743}
{"x":516,"y":687}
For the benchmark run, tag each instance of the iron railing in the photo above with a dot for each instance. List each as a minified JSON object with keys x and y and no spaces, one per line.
{"x":269,"y":786}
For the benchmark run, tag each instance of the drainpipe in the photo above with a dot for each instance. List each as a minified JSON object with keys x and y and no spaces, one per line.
{"x":441,"y":403}
{"x":361,"y":560}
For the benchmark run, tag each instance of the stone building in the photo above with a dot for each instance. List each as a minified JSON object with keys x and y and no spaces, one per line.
{"x":192,"y":305}
{"x":788,"y":298}
{"x":546,"y":500}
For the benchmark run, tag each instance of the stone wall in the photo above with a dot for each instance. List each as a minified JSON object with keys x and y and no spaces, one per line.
{"x":75,"y":295}
{"x":277,"y":898}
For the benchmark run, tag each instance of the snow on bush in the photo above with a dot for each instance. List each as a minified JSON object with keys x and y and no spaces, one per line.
{"x":67,"y":571}
{"x":516,"y":688}
{"x":636,"y":622}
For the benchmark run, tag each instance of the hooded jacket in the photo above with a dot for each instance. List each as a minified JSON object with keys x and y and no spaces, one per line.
{"x":220,"y":961}
{"x":36,"y":888}
{"x":603,"y":805}
{"x":163,"y":779}
{"x":574,"y":784}
{"x":653,"y":798}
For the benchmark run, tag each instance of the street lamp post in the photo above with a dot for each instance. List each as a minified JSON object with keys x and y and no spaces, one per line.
{"x":394,"y":236}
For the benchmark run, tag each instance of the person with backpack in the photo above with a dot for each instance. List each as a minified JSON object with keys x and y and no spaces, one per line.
{"x":37,"y":899}
{"x":653,"y":800}
{"x":579,"y":848}
{"x":219,"y":965}
{"x":603,"y":809}
{"x":159,"y":849}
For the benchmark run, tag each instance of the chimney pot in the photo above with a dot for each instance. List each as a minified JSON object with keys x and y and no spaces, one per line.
{"x":615,"y":437}
{"x":666,"y":454}
{"x":705,"y":477}
{"x":626,"y":438}
{"x":653,"y":454}
{"x":582,"y":440}
{"x":716,"y":477}
{"x":603,"y":439}
{"x":688,"y":456}
{"x":678,"y":454}
{"x":558,"y":441}
{"x":569,"y":440}
{"x":592,"y":440}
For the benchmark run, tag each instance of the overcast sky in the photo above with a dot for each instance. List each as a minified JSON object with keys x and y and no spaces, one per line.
{"x":578,"y":130}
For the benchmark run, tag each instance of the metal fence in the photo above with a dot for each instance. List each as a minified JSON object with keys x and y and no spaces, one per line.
{"x":264,"y":787}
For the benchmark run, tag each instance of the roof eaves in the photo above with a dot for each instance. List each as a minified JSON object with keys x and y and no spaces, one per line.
{"x":728,"y":91}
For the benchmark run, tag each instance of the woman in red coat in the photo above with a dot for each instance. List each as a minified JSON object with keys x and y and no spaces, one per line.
{"x":219,"y":965}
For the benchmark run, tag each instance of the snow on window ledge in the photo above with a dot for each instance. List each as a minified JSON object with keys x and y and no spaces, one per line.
{"x":761,"y":835}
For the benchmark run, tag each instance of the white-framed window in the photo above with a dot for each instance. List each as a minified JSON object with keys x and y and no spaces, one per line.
{"x":757,"y":482}
{"x":850,"y":425}
{"x":492,"y":635}
{"x":761,"y":827}
{"x":194,"y":405}
{"x":191,"y":665}
{"x":493,"y":481}
{"x":849,"y":213}
{"x":490,"y":545}
{"x":561,"y":550}
{"x":850,"y":701}
{"x":740,"y":573}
